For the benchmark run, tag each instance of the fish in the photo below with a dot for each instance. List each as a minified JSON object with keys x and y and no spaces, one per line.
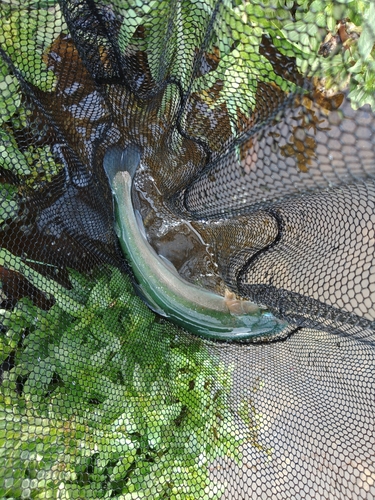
{"x":195,"y":309}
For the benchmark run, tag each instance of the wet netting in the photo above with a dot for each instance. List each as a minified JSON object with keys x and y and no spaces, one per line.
{"x":187,"y":210}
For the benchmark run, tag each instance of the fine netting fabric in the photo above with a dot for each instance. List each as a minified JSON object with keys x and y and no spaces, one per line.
{"x":256,"y":127}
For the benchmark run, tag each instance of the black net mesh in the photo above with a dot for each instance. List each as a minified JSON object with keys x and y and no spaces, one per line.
{"x":254,"y":126}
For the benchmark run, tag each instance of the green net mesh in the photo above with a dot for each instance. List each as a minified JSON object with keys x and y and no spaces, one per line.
{"x":255,"y":128}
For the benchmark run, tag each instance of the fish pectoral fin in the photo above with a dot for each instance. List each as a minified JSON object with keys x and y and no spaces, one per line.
{"x":238,"y":307}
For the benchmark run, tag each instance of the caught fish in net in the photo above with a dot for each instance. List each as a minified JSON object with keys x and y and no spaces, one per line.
{"x":187,"y":249}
